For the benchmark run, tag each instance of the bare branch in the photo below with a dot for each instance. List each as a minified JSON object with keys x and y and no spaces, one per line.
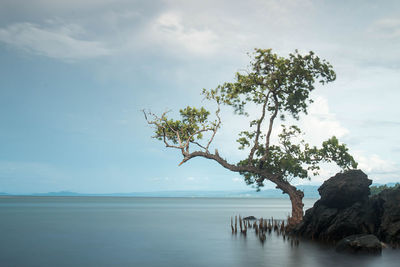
{"x":196,"y":143}
{"x":271,"y":123}
{"x":196,"y":133}
{"x":258,"y":132}
{"x":215,"y":128}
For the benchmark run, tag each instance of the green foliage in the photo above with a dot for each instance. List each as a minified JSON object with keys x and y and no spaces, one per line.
{"x":288,"y":80}
{"x":190,"y":127}
{"x":282,"y":86}
{"x":377,"y":189}
{"x":290,"y":159}
{"x":279,"y":87}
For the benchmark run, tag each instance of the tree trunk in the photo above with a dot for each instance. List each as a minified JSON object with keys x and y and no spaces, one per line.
{"x":296,"y":198}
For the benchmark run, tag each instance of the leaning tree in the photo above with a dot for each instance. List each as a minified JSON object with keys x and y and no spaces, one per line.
{"x":279,"y":87}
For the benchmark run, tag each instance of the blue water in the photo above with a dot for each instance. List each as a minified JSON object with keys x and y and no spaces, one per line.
{"x":107,"y":231}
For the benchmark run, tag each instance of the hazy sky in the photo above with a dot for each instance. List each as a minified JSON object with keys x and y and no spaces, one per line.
{"x":74,"y":76}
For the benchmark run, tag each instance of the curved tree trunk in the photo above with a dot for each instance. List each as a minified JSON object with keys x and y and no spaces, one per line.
{"x":297,"y":207}
{"x":296,"y":198}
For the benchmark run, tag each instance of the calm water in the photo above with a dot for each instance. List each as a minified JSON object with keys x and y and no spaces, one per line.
{"x":105,"y":231}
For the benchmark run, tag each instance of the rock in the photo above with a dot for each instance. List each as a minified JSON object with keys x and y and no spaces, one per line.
{"x":368,"y":244}
{"x":344,"y":189}
{"x":389,"y":230}
{"x":339,"y":213}
{"x":344,"y":209}
{"x":250,"y":218}
{"x":316,"y":220}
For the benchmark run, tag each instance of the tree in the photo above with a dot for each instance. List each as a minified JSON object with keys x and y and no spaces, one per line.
{"x":279,"y":87}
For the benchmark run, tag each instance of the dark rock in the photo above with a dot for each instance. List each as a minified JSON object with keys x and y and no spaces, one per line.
{"x":368,"y":244}
{"x":389,"y":200}
{"x":359,"y":218}
{"x":344,"y":189}
{"x":316,"y":220}
{"x":339,"y":213}
{"x":250,"y":218}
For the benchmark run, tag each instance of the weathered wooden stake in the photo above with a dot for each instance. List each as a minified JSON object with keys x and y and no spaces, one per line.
{"x":283,"y":226}
{"x":235,"y":224}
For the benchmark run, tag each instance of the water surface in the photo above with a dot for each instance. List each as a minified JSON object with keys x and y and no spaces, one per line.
{"x":114,"y":231}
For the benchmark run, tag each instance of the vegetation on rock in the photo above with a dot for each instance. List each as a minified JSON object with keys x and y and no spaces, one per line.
{"x":377,"y":189}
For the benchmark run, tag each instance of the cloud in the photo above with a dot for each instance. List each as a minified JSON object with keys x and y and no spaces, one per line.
{"x":54,"y":41}
{"x":169,"y":29}
{"x":388,"y":28}
{"x":373,"y":164}
{"x":396,"y":150}
{"x":237,"y":180}
{"x":376,"y":123}
{"x":320,"y":123}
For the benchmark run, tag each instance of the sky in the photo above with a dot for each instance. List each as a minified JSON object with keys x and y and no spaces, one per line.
{"x":75,"y":75}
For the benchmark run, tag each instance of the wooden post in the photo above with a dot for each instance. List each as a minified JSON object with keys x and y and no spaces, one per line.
{"x":235,"y":223}
{"x":240,"y":224}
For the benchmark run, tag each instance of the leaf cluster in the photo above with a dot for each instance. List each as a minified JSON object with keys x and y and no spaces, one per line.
{"x":286,"y":81}
{"x":189,"y":127}
{"x":295,"y":158}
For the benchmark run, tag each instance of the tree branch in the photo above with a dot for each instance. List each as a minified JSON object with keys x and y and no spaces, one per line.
{"x":271,"y":123}
{"x":275,"y":178}
{"x":154,"y":122}
{"x":254,"y":148}
{"x":215,"y":128}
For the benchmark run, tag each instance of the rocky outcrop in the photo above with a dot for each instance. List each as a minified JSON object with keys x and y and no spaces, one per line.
{"x":345,"y":189}
{"x":346,"y":209}
{"x":388,"y":201}
{"x":359,"y":244}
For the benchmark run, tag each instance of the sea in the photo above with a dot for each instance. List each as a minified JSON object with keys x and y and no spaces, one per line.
{"x":134,"y":231}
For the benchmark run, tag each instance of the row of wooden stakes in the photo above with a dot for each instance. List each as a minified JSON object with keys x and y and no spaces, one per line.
{"x":264,"y":226}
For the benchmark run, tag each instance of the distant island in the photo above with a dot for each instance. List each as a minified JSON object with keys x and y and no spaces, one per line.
{"x":310,"y":191}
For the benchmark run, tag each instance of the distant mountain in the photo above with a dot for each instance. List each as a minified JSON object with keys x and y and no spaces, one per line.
{"x":60,"y":193}
{"x":310,"y":191}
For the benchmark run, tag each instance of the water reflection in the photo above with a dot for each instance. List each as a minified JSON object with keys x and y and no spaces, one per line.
{"x":276,"y":251}
{"x":155,"y":232}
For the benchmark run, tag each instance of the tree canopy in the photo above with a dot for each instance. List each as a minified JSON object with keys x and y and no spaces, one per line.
{"x":279,"y":87}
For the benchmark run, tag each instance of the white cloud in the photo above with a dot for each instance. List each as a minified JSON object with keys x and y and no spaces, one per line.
{"x":378,"y":169}
{"x":54,"y":41}
{"x":320,"y":123}
{"x":386,"y":28}
{"x":169,"y":29}
{"x":374,"y":164}
{"x":237,"y":180}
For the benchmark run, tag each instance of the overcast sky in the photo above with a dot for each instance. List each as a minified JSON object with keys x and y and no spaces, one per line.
{"x":74,"y":76}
